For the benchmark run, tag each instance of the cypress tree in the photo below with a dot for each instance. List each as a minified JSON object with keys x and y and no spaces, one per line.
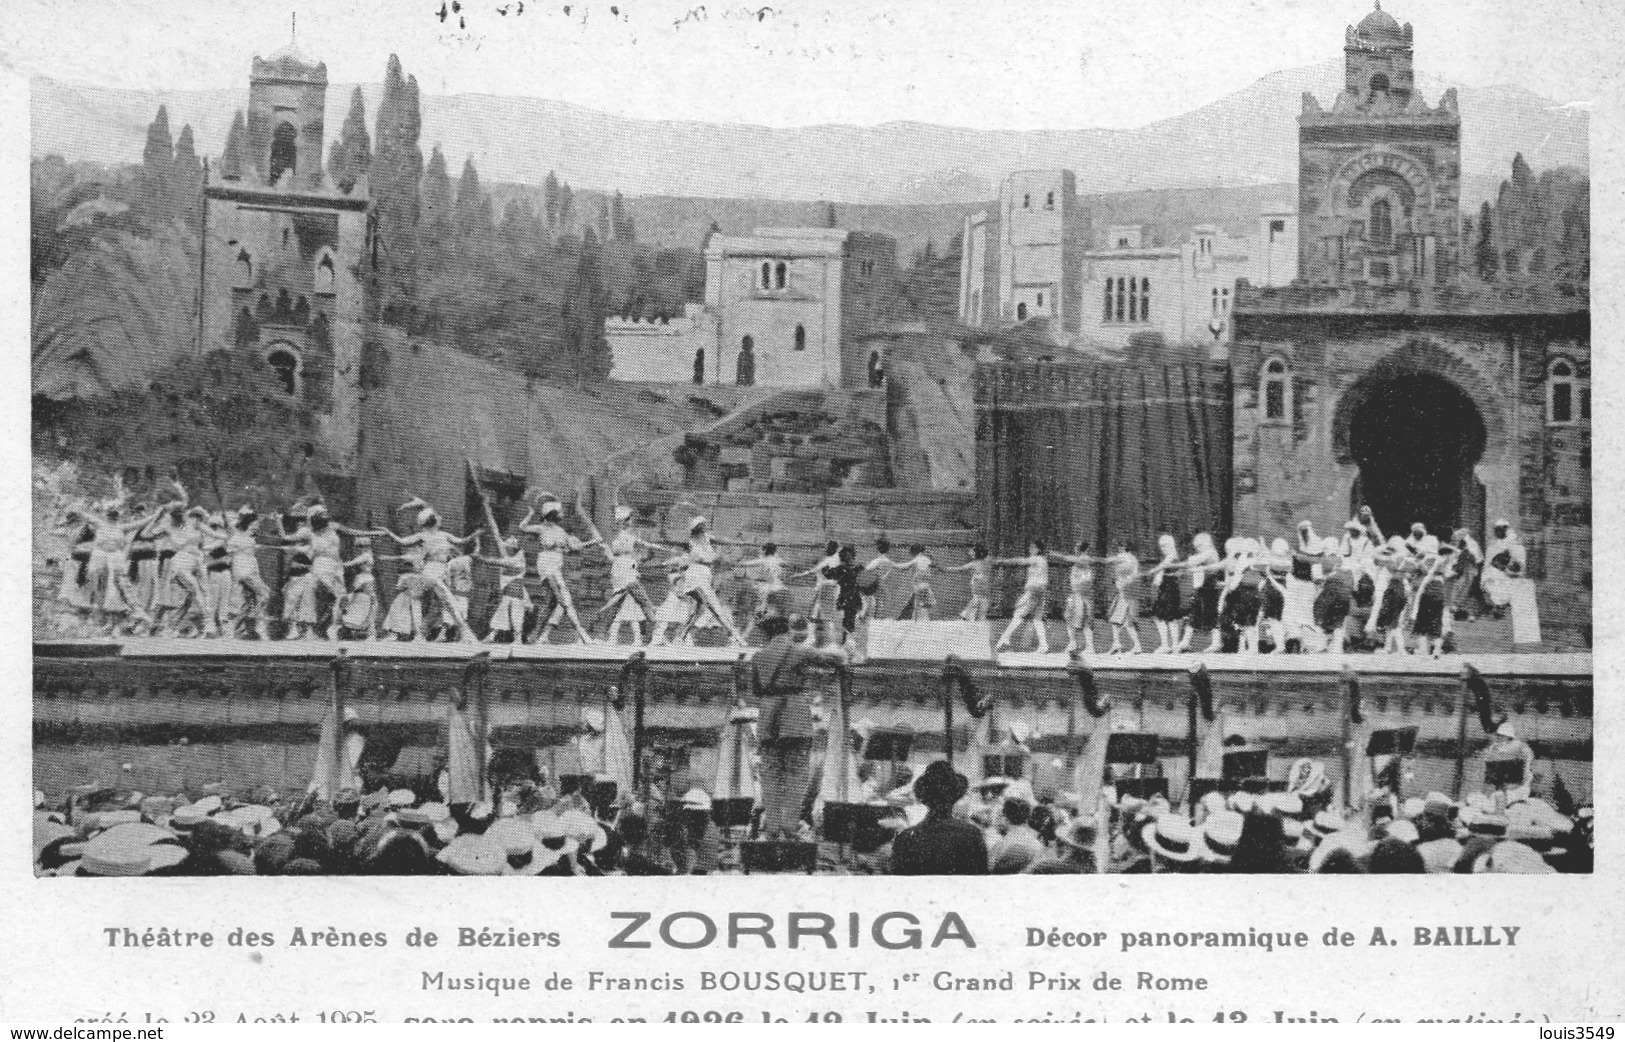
{"x":158,"y":172}
{"x":396,"y":171}
{"x":351,"y":155}
{"x":186,"y":180}
{"x":1484,"y":252}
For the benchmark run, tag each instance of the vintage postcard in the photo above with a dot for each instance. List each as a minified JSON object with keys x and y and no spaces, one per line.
{"x":590,"y":468}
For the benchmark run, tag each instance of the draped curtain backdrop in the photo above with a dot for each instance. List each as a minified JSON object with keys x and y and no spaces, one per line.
{"x":1101,"y":452}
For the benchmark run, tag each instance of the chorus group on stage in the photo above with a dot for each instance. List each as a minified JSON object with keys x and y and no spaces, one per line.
{"x":175,"y":568}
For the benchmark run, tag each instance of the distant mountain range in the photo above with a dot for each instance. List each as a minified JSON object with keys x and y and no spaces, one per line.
{"x":1248,"y":138}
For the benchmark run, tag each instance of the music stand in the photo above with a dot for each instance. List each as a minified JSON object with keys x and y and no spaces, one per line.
{"x":732,"y":813}
{"x":1397,"y":741}
{"x":1503,"y":774}
{"x":1004,"y":765}
{"x":571,"y":783}
{"x":843,"y":820}
{"x":1132,"y":748}
{"x":764,"y":855}
{"x":1246,"y":770}
{"x":891,"y":747}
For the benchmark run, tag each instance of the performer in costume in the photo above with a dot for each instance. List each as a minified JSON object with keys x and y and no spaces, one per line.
{"x":1034,"y":594}
{"x":823,"y":595}
{"x":405,"y":618}
{"x":923,"y":600}
{"x":1427,"y":624}
{"x":625,"y":552}
{"x":981,"y":584}
{"x":1166,"y":609}
{"x":439,"y":547}
{"x":699,"y":562}
{"x":319,"y":535}
{"x":220,"y":615}
{"x":1080,"y":599}
{"x":766,"y":574}
{"x":874,"y":575}
{"x":1277,"y":573}
{"x":1207,"y":584}
{"x":1298,"y":610}
{"x":250,"y":595}
{"x":358,"y":612}
{"x":514,"y":600}
{"x":1336,"y":597}
{"x":182,"y":594}
{"x":554,"y":542}
{"x":1506,"y":559}
{"x":1388,"y":619}
{"x":1125,"y":606}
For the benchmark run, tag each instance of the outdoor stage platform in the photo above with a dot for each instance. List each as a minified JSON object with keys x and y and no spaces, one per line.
{"x":158,"y":714}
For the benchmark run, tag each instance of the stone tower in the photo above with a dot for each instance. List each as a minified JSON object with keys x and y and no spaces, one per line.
{"x":285,"y":253}
{"x":1379,"y":175}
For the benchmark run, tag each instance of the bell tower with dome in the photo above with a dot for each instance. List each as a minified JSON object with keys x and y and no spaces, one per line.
{"x":1379,"y":175}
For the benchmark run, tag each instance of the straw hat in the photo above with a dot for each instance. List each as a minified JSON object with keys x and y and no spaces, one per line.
{"x":1221,"y":834}
{"x":623,"y":514}
{"x":696,"y":799}
{"x":474,"y":855}
{"x":129,"y":850}
{"x":1172,"y":838}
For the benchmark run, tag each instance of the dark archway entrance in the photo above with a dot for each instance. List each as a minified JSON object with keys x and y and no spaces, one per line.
{"x":1415,"y":438}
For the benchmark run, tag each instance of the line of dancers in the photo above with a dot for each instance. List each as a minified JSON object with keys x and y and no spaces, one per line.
{"x":177,"y":569}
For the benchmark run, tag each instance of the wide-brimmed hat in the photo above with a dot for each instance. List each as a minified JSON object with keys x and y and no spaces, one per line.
{"x":593,"y":717}
{"x":1327,"y":823}
{"x":1172,"y":838}
{"x":551,"y":506}
{"x":696,"y":799}
{"x":1439,"y":856}
{"x":474,"y":855}
{"x":696,"y":524}
{"x":253,"y":821}
{"x":585,"y":830}
{"x":1483,"y":823}
{"x":402,"y":798}
{"x":1516,"y":858}
{"x":994,"y":782}
{"x":1403,"y":830}
{"x":131,"y":849}
{"x":1221,"y":835}
{"x":623,"y":514}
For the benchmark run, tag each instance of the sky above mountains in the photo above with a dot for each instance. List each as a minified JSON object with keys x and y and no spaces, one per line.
{"x":987,"y":64}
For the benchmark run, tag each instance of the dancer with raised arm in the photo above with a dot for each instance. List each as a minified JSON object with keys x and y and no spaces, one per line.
{"x":220,"y":609}
{"x":1034,"y":596}
{"x":319,"y":536}
{"x":182,"y":595}
{"x":981,"y":584}
{"x":1080,"y":598}
{"x":553,"y":543}
{"x":626,"y":551}
{"x":699,"y":564}
{"x":439,"y":547}
{"x":250,"y":594}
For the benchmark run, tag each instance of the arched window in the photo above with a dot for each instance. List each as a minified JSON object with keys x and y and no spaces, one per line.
{"x":1215,"y":300}
{"x":1049,"y":201}
{"x":779,"y":272}
{"x":324,"y":274}
{"x":301,"y":311}
{"x":284,"y":150}
{"x":745,"y":365}
{"x":245,"y":270}
{"x":1026,"y":202}
{"x":1119,"y":310}
{"x":1381,"y":229}
{"x":1145,"y":300}
{"x":1275,"y":390}
{"x":699,"y":366}
{"x":1379,"y":84}
{"x":1021,"y":312}
{"x":1568,"y":398}
{"x":801,"y":338}
{"x":1133,"y":298}
{"x":1040,"y":300}
{"x":284,"y":362}
{"x":767,"y":275}
{"x":1106,"y":311}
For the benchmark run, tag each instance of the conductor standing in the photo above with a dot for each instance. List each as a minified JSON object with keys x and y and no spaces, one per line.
{"x":779,"y":681}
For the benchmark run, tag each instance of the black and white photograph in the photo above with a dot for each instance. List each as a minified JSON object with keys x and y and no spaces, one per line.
{"x":812,"y":444}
